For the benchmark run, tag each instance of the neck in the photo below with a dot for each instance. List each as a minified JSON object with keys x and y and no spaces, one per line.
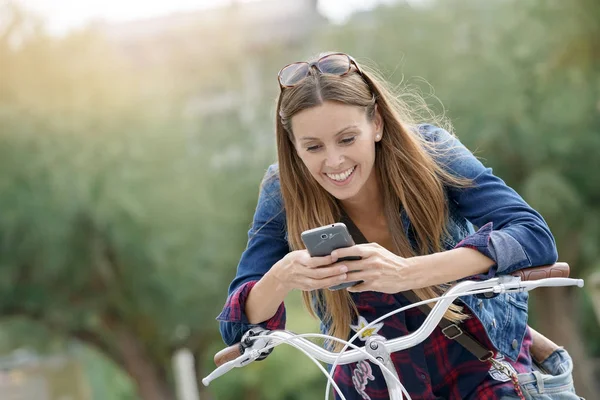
{"x":367,"y":205}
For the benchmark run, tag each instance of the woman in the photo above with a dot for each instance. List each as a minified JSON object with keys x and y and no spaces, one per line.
{"x":349,"y":151}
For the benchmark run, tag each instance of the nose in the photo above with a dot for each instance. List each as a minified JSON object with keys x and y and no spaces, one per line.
{"x":333,"y":158}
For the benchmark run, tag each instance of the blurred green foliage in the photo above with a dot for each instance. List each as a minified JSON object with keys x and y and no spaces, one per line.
{"x":124,"y":209}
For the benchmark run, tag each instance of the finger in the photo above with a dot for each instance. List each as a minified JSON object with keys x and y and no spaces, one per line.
{"x":331,"y":281}
{"x":314,"y":284}
{"x":353,"y":265}
{"x":326,"y":272}
{"x":359,"y":287}
{"x":352,"y":251}
{"x":359,"y":276}
{"x":315,"y":262}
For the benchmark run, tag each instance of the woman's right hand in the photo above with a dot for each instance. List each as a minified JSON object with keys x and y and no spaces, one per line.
{"x":298,"y":270}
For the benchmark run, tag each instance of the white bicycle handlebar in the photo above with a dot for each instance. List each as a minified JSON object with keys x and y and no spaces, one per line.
{"x":495,"y":285}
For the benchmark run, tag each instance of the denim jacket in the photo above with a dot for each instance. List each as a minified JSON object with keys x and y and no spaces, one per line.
{"x":512,"y":234}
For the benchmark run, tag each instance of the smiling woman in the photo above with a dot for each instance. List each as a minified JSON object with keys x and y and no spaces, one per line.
{"x":336,"y":142}
{"x":348,"y":150}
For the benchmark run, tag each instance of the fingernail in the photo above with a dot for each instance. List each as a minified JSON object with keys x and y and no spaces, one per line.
{"x":342,"y":277}
{"x":344,"y":269}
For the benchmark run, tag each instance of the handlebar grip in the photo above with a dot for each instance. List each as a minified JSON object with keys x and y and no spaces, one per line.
{"x":228,"y":354}
{"x":558,"y":270}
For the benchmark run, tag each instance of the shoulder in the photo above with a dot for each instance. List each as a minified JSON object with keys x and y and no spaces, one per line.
{"x":448,"y":151}
{"x":270,"y":188}
{"x":440,"y":143}
{"x":433,"y":134}
{"x":270,"y":182}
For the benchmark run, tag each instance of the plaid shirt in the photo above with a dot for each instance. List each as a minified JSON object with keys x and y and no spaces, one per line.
{"x":438,"y":368}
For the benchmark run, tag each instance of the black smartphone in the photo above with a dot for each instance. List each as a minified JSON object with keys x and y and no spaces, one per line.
{"x":321,"y":241}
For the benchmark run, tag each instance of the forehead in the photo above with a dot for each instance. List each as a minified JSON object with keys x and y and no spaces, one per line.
{"x":326,"y":120}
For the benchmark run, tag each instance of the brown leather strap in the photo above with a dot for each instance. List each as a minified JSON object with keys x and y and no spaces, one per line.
{"x":356,"y":234}
{"x":454,"y":332}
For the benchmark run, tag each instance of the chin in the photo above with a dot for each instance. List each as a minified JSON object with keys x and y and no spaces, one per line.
{"x":342,"y":194}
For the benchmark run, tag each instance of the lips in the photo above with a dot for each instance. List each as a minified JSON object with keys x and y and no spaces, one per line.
{"x":342,"y":177}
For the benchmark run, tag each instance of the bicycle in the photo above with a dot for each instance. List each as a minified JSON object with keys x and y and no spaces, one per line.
{"x":257,"y":343}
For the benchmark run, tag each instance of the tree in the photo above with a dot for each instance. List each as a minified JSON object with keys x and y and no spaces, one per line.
{"x":115,"y":230}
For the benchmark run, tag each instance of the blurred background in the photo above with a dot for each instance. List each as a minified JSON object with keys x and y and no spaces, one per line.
{"x":134,"y":135}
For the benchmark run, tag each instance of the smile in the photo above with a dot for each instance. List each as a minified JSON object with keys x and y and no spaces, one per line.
{"x":342,"y":176}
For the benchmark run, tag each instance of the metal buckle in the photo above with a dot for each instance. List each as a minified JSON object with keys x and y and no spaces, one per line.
{"x":488,"y":357}
{"x":449,"y":335}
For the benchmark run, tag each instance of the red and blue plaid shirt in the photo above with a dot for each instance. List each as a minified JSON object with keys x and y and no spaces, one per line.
{"x":438,"y":368}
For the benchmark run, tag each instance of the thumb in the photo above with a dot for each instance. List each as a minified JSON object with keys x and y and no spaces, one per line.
{"x":359,"y":287}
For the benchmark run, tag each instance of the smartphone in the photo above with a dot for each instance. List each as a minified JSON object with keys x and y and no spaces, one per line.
{"x":321,"y":241}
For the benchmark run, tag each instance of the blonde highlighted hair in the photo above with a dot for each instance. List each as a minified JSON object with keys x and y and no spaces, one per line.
{"x":410,"y":177}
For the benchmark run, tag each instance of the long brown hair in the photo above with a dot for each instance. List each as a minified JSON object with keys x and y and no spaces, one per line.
{"x":410,"y":178}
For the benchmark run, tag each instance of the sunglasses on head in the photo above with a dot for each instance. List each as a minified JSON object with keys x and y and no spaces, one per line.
{"x":332,"y":64}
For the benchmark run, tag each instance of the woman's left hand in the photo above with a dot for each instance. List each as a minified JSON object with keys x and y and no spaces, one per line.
{"x":380,"y":269}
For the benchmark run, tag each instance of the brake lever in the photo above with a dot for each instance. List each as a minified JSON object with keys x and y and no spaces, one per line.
{"x":243,"y":360}
{"x":250,"y":342}
{"x":253,"y":351}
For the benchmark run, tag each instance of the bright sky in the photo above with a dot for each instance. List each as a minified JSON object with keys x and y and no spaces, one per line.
{"x":62,"y":15}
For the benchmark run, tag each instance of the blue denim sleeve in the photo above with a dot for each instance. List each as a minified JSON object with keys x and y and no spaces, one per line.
{"x":520,"y":237}
{"x":267,"y":244}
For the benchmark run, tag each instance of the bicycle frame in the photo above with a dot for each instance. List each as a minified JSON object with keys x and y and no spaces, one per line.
{"x":378,"y":348}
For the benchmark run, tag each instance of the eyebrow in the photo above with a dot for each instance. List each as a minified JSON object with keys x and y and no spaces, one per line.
{"x":337,"y":134}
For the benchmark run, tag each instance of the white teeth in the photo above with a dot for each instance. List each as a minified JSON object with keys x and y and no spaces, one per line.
{"x":343,"y":176}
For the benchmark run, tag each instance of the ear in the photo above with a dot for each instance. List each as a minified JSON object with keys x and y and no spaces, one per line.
{"x":378,"y":123}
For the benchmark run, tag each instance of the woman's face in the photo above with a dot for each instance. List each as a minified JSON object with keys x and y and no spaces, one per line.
{"x":336,"y":142}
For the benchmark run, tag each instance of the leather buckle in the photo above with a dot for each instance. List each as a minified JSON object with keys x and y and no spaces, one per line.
{"x":452,"y":335}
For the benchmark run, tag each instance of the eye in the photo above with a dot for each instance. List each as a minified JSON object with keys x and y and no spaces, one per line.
{"x":313,"y":148}
{"x":348,"y":140}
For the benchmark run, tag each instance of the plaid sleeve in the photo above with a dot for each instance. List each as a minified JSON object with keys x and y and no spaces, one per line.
{"x":481,"y":241}
{"x":233,"y":311}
